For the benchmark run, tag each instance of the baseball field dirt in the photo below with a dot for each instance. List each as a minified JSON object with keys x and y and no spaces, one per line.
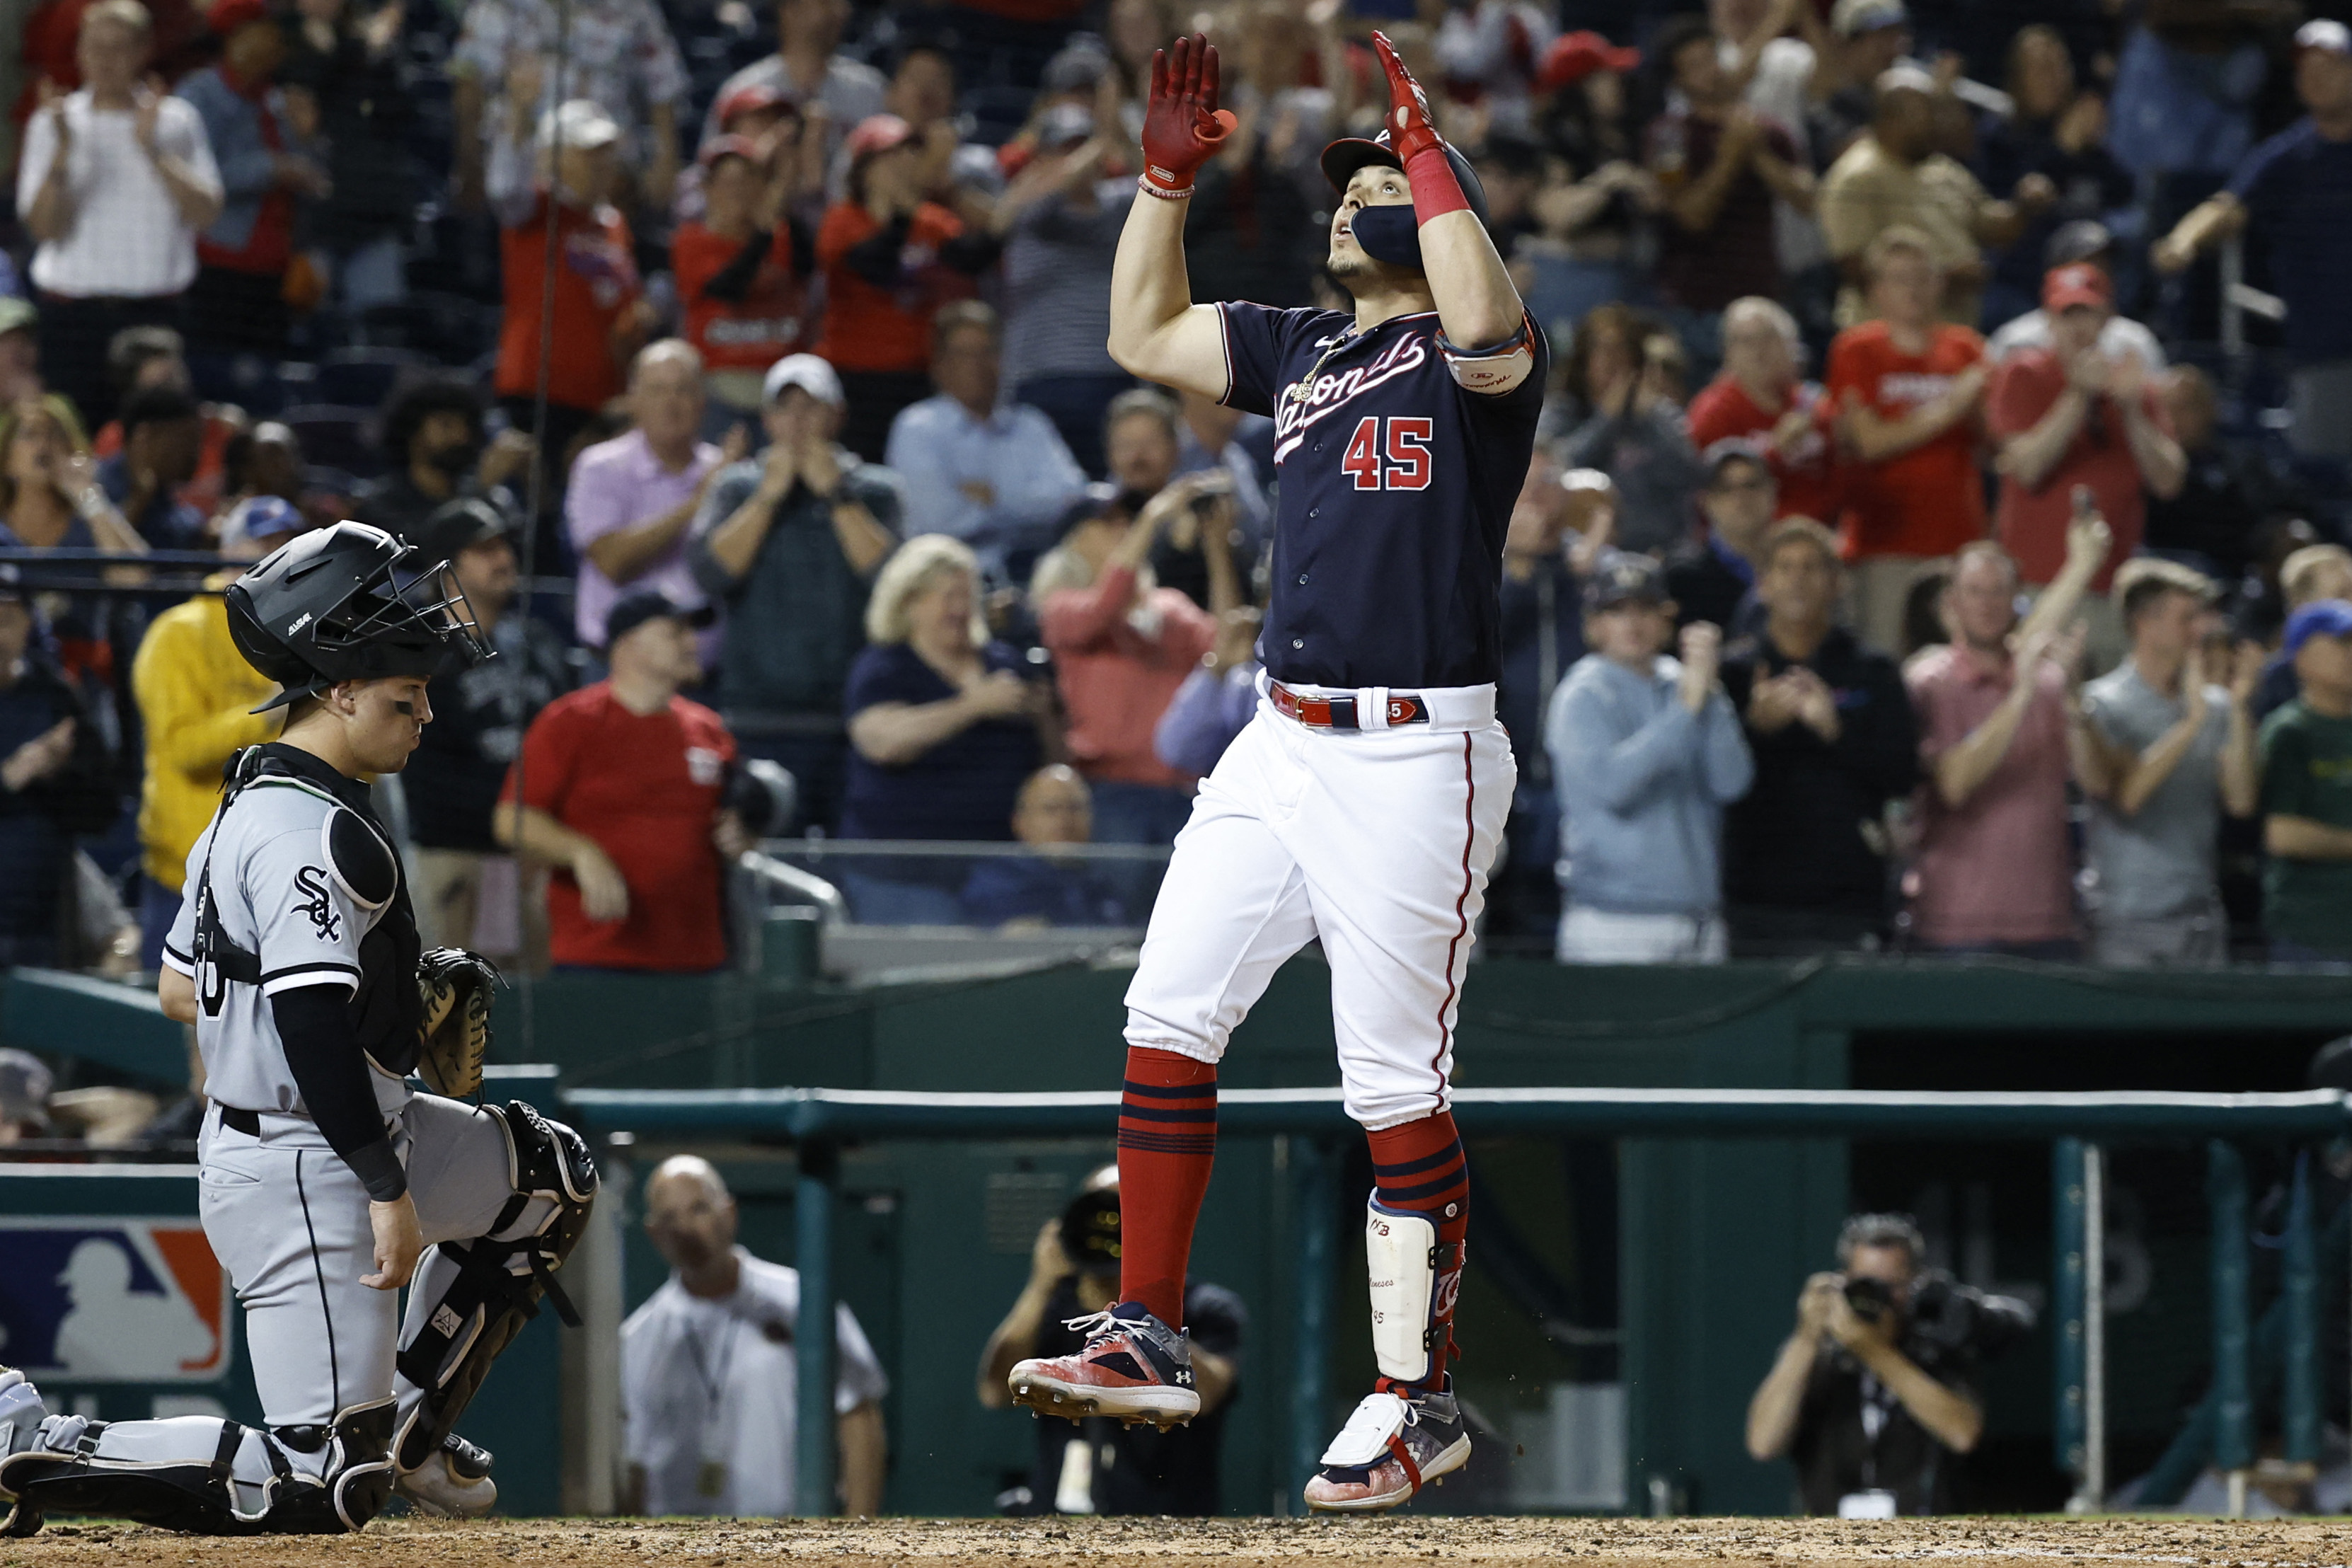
{"x":1231,"y":1543}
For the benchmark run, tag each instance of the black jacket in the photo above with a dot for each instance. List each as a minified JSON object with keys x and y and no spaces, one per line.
{"x":37,"y":824}
{"x":1797,"y":841}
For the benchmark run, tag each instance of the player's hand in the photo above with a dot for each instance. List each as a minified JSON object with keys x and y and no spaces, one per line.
{"x":1412,"y":130}
{"x":1183,"y":126}
{"x":604,"y":892}
{"x":399,"y":1241}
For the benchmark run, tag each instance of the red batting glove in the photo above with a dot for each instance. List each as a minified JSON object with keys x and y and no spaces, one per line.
{"x":1411,"y":129}
{"x":1183,"y":126}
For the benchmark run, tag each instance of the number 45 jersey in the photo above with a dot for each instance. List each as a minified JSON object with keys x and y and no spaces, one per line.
{"x":1399,"y":458}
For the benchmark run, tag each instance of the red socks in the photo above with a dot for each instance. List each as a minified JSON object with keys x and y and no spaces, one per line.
{"x":1421,"y":1167}
{"x":1167,"y":1141}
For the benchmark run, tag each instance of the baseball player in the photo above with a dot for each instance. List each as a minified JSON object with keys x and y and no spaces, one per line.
{"x":324,"y":1175}
{"x":1363,"y":804}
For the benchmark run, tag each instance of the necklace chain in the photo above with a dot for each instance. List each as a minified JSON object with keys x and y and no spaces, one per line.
{"x":1304,"y":388}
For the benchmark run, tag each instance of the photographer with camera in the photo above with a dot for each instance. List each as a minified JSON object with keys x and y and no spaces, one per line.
{"x":1873,"y":1397}
{"x":1099,"y":1465}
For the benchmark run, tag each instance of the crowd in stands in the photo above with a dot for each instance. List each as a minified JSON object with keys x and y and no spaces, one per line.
{"x":1923,"y":550}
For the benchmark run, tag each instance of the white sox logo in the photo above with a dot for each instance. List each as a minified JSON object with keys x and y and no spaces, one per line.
{"x":317,"y":903}
{"x":1307,"y":403}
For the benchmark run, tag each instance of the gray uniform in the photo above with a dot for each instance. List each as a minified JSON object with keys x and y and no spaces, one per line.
{"x":305,"y":893}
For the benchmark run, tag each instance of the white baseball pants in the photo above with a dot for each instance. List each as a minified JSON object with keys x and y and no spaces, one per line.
{"x":1377,"y":842}
{"x":289,"y":1220}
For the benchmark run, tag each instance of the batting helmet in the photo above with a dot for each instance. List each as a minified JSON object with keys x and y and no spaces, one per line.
{"x":337,"y":604}
{"x":1392,"y":234}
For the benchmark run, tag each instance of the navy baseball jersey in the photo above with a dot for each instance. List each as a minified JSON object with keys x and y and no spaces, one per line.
{"x":1397,"y":481}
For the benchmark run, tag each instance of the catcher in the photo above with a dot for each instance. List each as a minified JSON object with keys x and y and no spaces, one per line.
{"x":327,"y":1183}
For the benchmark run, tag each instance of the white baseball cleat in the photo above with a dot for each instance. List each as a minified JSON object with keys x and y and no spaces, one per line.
{"x":454,"y":1483}
{"x":1388,"y":1448}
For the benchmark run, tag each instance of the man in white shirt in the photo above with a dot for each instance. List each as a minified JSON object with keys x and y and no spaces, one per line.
{"x":115,"y":182}
{"x":708,"y":1369}
{"x":996,"y":476}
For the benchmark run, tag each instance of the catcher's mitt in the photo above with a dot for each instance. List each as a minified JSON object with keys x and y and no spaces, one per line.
{"x":455,"y":985}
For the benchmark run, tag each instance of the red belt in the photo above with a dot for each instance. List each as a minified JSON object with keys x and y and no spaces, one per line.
{"x":1340,"y":712}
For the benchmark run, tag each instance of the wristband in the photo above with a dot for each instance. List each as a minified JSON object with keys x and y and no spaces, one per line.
{"x":1435,"y":190}
{"x":1165,"y":192}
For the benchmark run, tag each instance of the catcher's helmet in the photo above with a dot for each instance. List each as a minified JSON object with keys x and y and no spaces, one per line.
{"x":1392,"y":234}
{"x":347,"y":602}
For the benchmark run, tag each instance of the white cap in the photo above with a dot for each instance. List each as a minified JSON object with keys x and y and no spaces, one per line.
{"x":2325,"y":33}
{"x":810,"y":373}
{"x":1905,"y":76}
{"x":580,"y":122}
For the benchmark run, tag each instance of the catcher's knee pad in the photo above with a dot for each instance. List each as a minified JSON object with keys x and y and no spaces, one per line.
{"x":206,"y":1476}
{"x":499,"y":1277}
{"x":1414,"y":1281}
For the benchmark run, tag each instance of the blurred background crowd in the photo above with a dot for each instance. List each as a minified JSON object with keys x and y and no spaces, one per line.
{"x":1933,"y":542}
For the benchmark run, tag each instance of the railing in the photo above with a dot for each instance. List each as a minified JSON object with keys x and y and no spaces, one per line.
{"x":818,"y":1122}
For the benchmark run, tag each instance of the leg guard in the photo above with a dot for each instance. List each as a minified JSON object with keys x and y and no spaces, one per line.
{"x":497,"y":1280}
{"x":1414,"y":1282}
{"x":207,"y":1476}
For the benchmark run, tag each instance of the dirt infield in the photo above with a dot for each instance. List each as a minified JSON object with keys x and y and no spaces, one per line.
{"x":1237,"y":1543}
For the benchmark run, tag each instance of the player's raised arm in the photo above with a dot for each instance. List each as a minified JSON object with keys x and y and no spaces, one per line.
{"x":1156,"y":331}
{"x":1476,"y":303}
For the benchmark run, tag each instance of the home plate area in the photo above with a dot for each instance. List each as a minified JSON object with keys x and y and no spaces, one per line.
{"x":1233,"y":1542}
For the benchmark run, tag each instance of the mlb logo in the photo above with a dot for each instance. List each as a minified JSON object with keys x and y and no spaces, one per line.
{"x":94,"y":1299}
